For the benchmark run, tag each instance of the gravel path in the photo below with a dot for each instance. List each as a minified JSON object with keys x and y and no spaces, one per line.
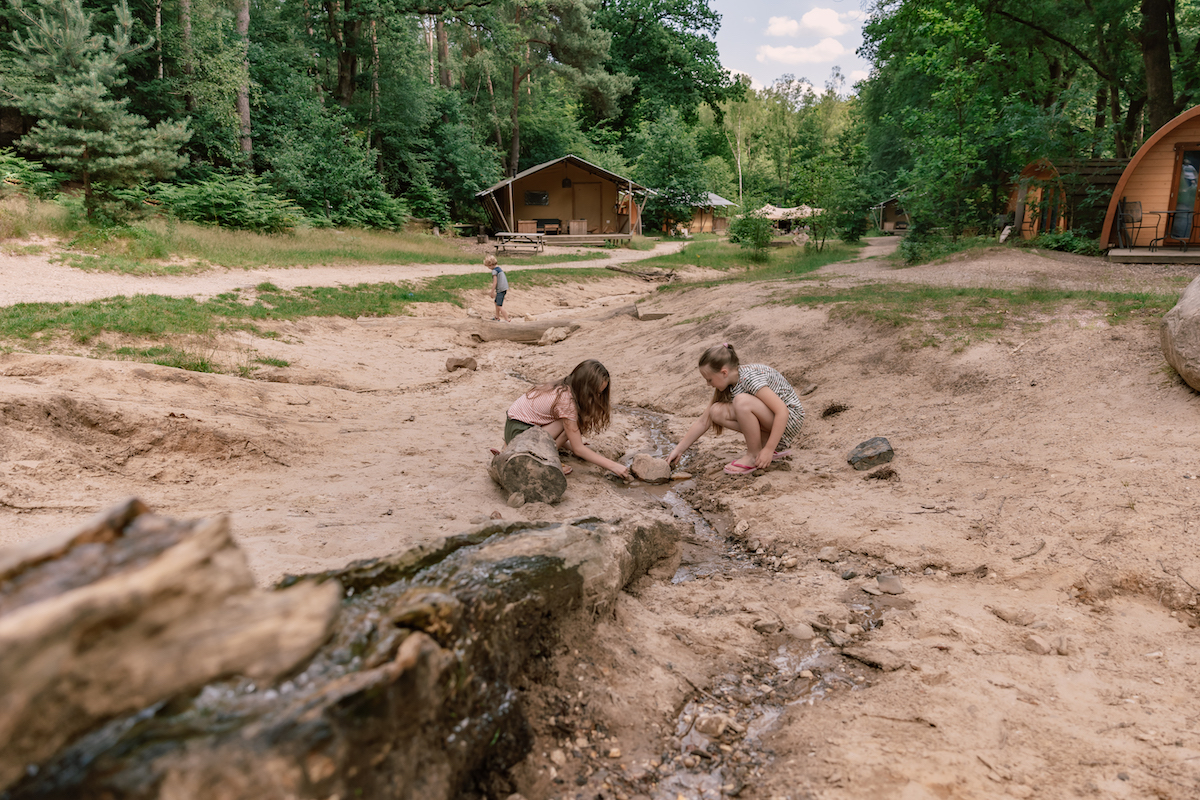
{"x":34,"y":279}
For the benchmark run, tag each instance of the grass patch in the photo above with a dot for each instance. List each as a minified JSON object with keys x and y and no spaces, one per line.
{"x":789,"y":262}
{"x":960,"y":313}
{"x":271,"y":361}
{"x":167,"y":356}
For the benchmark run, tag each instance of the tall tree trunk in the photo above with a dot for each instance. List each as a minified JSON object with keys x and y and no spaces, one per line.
{"x":243,"y":97}
{"x":1101,"y":117}
{"x":443,"y":45}
{"x":158,"y":36}
{"x":1156,"y":59}
{"x":514,"y":147}
{"x":185,"y":35}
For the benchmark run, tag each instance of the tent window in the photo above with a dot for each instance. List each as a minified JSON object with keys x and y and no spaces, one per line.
{"x":537,"y":198}
{"x":1183,"y":190}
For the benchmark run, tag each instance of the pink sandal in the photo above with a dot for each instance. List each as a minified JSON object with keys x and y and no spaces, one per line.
{"x":779,"y":455}
{"x":734,"y":468}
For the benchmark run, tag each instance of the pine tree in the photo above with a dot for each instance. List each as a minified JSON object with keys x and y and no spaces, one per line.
{"x":65,"y":78}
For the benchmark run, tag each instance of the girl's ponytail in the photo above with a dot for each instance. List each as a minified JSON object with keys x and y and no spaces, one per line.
{"x":715,"y":359}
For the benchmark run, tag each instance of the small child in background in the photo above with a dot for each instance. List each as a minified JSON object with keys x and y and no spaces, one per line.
{"x":754,"y":400}
{"x":567,"y":409}
{"x":499,"y":287}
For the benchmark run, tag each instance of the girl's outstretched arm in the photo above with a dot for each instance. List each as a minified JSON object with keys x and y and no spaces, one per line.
{"x":703,"y":423}
{"x":571,"y":427}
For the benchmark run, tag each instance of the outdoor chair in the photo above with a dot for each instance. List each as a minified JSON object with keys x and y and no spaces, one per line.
{"x":1131,"y":221}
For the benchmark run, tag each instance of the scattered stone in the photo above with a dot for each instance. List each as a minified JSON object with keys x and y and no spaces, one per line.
{"x":530,"y":465}
{"x":828,"y":554}
{"x":1037,"y":644}
{"x":878,"y":657}
{"x":837,"y":639}
{"x":516,"y":500}
{"x":496,"y":515}
{"x":768,"y":626}
{"x":553,"y":335}
{"x":558,"y":757}
{"x":790,"y":562}
{"x":1063,"y":645}
{"x":461,"y":363}
{"x":651,"y":469}
{"x":802,"y":631}
{"x":806,"y":673}
{"x":871,"y":590}
{"x":711,"y":725}
{"x":1013,"y":616}
{"x":478,"y":519}
{"x":871,"y":453}
{"x":1179,"y":335}
{"x":646,"y":316}
{"x":742,"y":527}
{"x":889,"y":584}
{"x":614,"y":752}
{"x":849,"y":575}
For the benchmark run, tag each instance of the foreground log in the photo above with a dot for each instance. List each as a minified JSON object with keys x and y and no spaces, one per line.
{"x":131,"y":610}
{"x":529,"y":332}
{"x":1179,"y":335}
{"x":529,"y":465}
{"x":412,"y":697}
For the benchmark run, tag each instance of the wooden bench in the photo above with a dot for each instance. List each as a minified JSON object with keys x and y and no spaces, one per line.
{"x":532,"y":242}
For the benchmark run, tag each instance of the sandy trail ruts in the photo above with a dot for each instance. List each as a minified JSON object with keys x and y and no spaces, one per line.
{"x":36,"y":279}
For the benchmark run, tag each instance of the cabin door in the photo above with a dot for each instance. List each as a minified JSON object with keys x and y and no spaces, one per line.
{"x":587,"y":205}
{"x":1182,"y":220}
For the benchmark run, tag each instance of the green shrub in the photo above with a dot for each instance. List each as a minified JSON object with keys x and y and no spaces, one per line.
{"x":18,"y":176}
{"x":242,"y":202}
{"x":753,"y":232}
{"x":1068,"y":242}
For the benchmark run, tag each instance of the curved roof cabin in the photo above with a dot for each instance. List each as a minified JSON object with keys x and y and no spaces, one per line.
{"x":1162,"y":178}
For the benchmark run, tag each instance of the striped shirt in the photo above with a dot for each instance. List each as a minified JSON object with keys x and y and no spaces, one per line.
{"x":545,"y":408}
{"x":754,"y":377}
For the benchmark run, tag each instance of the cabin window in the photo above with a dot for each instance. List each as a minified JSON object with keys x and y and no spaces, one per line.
{"x":537,"y":198}
{"x":1183,"y":190}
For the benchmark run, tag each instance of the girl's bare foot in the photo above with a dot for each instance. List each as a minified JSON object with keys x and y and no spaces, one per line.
{"x":566,"y":469}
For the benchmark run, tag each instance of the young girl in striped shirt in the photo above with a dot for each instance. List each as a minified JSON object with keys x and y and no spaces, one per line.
{"x":567,"y":409}
{"x":752,"y":399}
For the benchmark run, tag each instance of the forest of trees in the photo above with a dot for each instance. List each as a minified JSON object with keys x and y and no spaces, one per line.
{"x":366,"y":112}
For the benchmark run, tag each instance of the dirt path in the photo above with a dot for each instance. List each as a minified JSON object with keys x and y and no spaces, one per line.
{"x":35,"y":279}
{"x":1040,"y":516}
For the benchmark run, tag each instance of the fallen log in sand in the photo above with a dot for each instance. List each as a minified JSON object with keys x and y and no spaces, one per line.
{"x":529,"y":465}
{"x":413,"y":695}
{"x":530,"y":332}
{"x":131,"y":610}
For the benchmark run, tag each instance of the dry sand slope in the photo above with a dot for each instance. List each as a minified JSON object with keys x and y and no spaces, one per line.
{"x":1045,"y":487}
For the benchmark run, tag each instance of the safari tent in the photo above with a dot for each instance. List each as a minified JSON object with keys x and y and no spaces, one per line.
{"x":889,"y":217}
{"x":712,"y":217}
{"x":1154,"y":204}
{"x":566,"y":197}
{"x":1073,"y":194}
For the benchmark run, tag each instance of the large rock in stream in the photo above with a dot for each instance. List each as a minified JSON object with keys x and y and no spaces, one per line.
{"x":411,"y":695}
{"x":1179,"y":335}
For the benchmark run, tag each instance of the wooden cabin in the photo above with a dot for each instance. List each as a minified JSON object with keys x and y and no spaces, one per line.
{"x":567,"y":197}
{"x":889,"y":217}
{"x":713,"y":217}
{"x":1067,"y":195}
{"x":1155,"y":201}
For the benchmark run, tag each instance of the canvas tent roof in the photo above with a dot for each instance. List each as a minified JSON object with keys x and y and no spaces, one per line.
{"x":574,"y":160}
{"x":775,"y":213}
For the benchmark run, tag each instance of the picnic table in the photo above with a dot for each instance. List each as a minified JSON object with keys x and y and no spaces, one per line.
{"x":506,"y":240}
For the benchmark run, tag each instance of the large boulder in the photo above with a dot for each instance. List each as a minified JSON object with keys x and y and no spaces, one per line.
{"x":1179,"y":334}
{"x":529,"y":465}
{"x":131,"y":610}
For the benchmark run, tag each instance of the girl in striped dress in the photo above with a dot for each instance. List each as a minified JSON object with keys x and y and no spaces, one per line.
{"x":752,"y":399}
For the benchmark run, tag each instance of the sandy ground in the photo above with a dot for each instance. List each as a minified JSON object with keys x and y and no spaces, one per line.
{"x":1044,"y":486}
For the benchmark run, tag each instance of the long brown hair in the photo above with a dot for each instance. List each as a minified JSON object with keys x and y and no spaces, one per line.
{"x":715,"y":359}
{"x":591,"y":401}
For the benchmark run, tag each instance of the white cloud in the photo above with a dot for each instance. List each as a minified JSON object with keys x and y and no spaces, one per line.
{"x":783,"y":26}
{"x":754,"y":84}
{"x":856,"y":15}
{"x":824,"y":22}
{"x":824,"y":51}
{"x":858,"y":75}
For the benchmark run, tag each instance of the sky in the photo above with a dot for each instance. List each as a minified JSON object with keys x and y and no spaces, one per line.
{"x":767,"y":39}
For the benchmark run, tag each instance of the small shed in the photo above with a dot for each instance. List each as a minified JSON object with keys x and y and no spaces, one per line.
{"x":713,"y":217}
{"x":889,"y":217}
{"x":1158,"y":190}
{"x":566,"y":196}
{"x":1068,"y":194}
